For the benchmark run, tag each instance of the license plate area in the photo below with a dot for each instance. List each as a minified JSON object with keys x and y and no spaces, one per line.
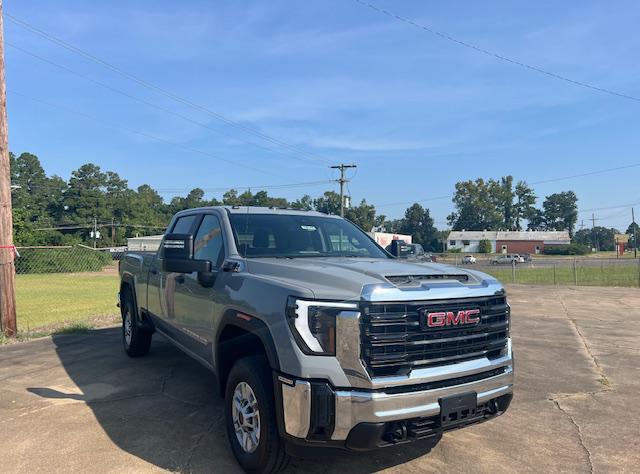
{"x":456,"y":409}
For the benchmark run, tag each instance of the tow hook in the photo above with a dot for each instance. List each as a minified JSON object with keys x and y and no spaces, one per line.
{"x":398,"y":433}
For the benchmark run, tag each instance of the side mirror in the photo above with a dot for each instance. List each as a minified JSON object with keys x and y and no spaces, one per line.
{"x":177,"y":255}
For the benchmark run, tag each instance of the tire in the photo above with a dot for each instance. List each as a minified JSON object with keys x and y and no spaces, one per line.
{"x":135,"y":339}
{"x":266,"y":453}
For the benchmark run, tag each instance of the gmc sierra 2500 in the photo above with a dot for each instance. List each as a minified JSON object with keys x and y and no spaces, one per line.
{"x":317,"y":336}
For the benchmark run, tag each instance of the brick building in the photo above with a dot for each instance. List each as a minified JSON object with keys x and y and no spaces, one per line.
{"x":507,"y":241}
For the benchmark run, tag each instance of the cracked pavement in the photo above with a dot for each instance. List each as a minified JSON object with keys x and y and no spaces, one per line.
{"x":76,"y":403}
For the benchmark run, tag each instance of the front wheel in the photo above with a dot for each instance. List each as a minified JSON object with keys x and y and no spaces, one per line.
{"x":251,"y":417}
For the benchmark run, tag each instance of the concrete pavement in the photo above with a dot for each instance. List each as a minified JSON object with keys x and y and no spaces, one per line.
{"x":76,"y":403}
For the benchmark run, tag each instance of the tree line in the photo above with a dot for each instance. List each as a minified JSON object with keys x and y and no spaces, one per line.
{"x":49,"y":210}
{"x":501,"y":205}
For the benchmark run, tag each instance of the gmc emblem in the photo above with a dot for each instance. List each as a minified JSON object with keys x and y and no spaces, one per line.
{"x":451,"y":318}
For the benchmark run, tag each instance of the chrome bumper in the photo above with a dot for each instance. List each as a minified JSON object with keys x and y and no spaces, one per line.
{"x":358,"y":406}
{"x":353,"y":407}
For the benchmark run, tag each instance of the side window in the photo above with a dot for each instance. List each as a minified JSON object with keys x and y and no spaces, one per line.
{"x":208,"y":242}
{"x":184,"y":224}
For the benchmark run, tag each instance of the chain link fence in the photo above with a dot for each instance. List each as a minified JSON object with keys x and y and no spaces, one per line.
{"x":578,"y":271}
{"x":65,"y":288}
{"x":75,"y":287}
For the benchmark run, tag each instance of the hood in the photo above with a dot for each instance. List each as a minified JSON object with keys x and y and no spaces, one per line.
{"x":348,"y":278}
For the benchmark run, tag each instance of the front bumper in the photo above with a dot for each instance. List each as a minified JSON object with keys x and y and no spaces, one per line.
{"x":314,"y":413}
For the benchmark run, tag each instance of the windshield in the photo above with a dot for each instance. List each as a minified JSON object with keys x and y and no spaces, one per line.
{"x":289,"y":235}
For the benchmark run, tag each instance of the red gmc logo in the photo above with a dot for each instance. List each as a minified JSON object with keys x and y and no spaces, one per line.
{"x":451,"y":318}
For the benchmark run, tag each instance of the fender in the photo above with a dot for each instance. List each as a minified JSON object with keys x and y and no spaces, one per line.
{"x":129,"y":279}
{"x":252,"y":325}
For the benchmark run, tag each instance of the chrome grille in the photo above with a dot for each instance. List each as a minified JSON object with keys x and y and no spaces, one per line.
{"x":394,"y":341}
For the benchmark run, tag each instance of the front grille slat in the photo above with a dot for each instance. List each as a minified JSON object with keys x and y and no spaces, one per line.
{"x":387,"y":340}
{"x":394,"y":341}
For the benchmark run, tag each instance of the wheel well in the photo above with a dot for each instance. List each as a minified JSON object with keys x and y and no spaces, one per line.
{"x":235,"y":343}
{"x":125,"y":289}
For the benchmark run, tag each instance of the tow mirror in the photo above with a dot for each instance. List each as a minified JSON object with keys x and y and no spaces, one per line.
{"x":177,"y":255}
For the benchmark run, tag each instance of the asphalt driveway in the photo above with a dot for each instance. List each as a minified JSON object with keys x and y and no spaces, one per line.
{"x":76,"y":403}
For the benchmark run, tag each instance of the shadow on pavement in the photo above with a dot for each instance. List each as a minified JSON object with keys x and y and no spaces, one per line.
{"x":165,"y":409}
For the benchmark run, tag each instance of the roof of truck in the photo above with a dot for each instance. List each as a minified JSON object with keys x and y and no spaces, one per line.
{"x":260,"y":210}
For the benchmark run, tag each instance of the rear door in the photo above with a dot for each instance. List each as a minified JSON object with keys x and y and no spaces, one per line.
{"x":198,"y":298}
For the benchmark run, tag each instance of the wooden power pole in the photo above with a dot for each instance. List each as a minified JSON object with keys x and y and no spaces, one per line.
{"x":342,"y":180}
{"x":7,"y":250}
{"x":635,"y":233}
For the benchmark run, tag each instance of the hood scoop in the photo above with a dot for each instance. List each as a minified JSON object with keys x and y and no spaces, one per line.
{"x":415,"y":280}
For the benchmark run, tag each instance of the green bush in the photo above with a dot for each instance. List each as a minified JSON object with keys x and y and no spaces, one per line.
{"x":484,"y":246}
{"x":455,"y":250}
{"x":61,"y":260}
{"x":570,"y":249}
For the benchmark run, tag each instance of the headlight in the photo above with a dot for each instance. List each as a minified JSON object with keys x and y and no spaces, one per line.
{"x":313,"y":324}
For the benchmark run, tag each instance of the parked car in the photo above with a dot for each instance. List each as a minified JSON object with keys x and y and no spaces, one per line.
{"x":508,"y":259}
{"x":297,"y":315}
{"x":468,"y":259}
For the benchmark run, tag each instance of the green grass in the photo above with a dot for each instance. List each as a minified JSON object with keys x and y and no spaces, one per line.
{"x":54,"y":301}
{"x":621,"y":275}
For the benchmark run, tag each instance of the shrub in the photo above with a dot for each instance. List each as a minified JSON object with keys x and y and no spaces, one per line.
{"x":570,"y":249}
{"x":484,"y":246}
{"x":455,"y":250}
{"x":61,"y":260}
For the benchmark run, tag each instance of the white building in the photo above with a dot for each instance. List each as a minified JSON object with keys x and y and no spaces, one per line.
{"x":507,"y":241}
{"x":149,"y":243}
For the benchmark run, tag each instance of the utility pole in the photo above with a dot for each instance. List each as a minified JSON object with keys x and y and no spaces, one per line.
{"x":342,"y":180}
{"x":8,"y":323}
{"x":593,"y":232}
{"x":635,"y":234}
{"x":95,"y":231}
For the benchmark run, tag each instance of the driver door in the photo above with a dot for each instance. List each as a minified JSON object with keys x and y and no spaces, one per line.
{"x":198,"y":297}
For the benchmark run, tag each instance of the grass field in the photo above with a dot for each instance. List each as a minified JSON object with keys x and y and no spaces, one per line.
{"x":71,"y":302}
{"x":622,"y":275}
{"x":57,"y":300}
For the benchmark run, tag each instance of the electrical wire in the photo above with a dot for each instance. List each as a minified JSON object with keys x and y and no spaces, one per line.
{"x":140,"y":133}
{"x":550,"y":180}
{"x":148,"y":85}
{"x":145,"y":102}
{"x":495,"y":55}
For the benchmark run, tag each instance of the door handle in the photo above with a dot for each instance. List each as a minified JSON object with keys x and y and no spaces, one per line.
{"x":180,"y":279}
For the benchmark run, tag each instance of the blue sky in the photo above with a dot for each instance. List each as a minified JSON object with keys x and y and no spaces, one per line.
{"x":340,"y":83}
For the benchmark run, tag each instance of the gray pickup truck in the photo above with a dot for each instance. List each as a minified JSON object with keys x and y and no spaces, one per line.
{"x":317,"y":336}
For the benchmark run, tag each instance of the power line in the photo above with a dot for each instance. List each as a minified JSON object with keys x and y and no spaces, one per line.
{"x":402,"y":203}
{"x":609,"y":207}
{"x":590,"y":173}
{"x":259,"y":187}
{"x":495,"y":55}
{"x":143,"y":134}
{"x":98,"y":224}
{"x":218,"y":189}
{"x":148,"y":85}
{"x":550,"y":180}
{"x":143,"y":101}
